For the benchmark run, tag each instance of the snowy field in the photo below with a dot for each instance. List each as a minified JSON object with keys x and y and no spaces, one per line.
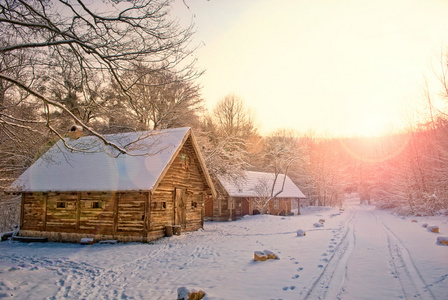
{"x":360,"y":253}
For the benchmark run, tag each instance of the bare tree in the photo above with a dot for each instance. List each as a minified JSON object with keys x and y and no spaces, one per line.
{"x":157,"y":99}
{"x":233,"y":119}
{"x":99,"y":43}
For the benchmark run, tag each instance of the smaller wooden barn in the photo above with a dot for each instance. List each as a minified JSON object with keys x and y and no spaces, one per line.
{"x":101,"y":193}
{"x":238,"y":198}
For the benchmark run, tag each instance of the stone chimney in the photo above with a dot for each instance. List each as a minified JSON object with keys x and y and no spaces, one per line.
{"x":75,"y":132}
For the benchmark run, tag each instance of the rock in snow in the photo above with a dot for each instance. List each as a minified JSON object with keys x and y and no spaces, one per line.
{"x":318,"y":225}
{"x":184,"y":293}
{"x":270,"y":254}
{"x":442,"y":240}
{"x":86,"y":241}
{"x":301,"y":232}
{"x":264,"y":255}
{"x":260,"y":256}
{"x":434,"y":229}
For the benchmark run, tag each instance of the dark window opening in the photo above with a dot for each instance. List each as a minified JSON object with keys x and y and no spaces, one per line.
{"x":96,"y":205}
{"x":158,"y":205}
{"x":60,"y":204}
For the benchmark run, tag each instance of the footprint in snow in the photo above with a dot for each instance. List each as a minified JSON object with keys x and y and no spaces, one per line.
{"x":296,"y":276}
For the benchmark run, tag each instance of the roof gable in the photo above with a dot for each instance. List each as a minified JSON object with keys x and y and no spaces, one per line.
{"x":102,"y":168}
{"x":248,"y":187}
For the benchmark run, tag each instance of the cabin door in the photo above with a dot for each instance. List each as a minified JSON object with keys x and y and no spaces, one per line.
{"x":208,"y":206}
{"x":180,"y":214}
{"x":246,"y":207}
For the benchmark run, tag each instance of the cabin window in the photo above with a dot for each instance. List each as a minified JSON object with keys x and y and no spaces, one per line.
{"x":60,"y":204}
{"x":276,"y":204}
{"x":96,"y":204}
{"x":158,"y":205}
{"x":194,"y":204}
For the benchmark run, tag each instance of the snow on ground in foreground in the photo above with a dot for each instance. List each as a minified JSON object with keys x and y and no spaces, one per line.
{"x":361,"y":253}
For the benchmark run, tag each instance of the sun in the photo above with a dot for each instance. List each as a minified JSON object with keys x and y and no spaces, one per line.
{"x":371,"y":125}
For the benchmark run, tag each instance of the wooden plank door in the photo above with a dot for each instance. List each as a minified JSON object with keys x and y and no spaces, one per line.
{"x":208,"y":206}
{"x":180,"y":213}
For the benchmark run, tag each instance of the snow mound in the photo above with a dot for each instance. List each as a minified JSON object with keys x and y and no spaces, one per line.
{"x":318,"y":225}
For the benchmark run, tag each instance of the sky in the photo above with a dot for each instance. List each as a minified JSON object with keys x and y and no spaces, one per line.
{"x":346,"y":67}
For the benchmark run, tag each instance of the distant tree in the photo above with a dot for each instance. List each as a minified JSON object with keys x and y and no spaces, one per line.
{"x":226,"y":134}
{"x":233,"y":119}
{"x":322,"y":172}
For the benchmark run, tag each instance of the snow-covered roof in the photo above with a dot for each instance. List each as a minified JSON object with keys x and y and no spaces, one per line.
{"x":255,"y":182}
{"x":103,"y":168}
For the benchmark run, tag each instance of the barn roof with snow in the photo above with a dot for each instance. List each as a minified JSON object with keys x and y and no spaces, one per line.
{"x":253,"y":182}
{"x":102,"y":168}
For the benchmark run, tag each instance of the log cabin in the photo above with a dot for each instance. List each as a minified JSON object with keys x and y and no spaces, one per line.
{"x":236,"y":199}
{"x":85,"y":189}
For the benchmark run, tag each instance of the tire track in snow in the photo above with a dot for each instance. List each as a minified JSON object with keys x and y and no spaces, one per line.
{"x":326,"y":285}
{"x":411,"y":280}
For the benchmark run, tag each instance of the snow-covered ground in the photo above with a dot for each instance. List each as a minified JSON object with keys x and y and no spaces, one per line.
{"x":360,"y":253}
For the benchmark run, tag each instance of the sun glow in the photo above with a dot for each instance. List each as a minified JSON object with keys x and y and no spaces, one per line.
{"x":371,"y":125}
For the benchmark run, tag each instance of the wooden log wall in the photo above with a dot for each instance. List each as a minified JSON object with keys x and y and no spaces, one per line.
{"x":86,"y":212}
{"x":185,"y":173}
{"x":221,"y":203}
{"x":33,"y":210}
{"x":284,"y":206}
{"x":97,"y":211}
{"x":61,"y":211}
{"x":131,"y":212}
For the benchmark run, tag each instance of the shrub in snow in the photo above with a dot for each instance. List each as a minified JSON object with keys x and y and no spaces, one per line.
{"x":434,"y":229}
{"x":425,"y":225}
{"x":442,"y":240}
{"x":184,"y":293}
{"x":321,"y":220}
{"x":318,"y":225}
{"x":300,"y":232}
{"x":413,"y":221}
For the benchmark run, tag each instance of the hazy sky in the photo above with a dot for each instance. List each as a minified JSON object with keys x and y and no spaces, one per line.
{"x":333,"y":66}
